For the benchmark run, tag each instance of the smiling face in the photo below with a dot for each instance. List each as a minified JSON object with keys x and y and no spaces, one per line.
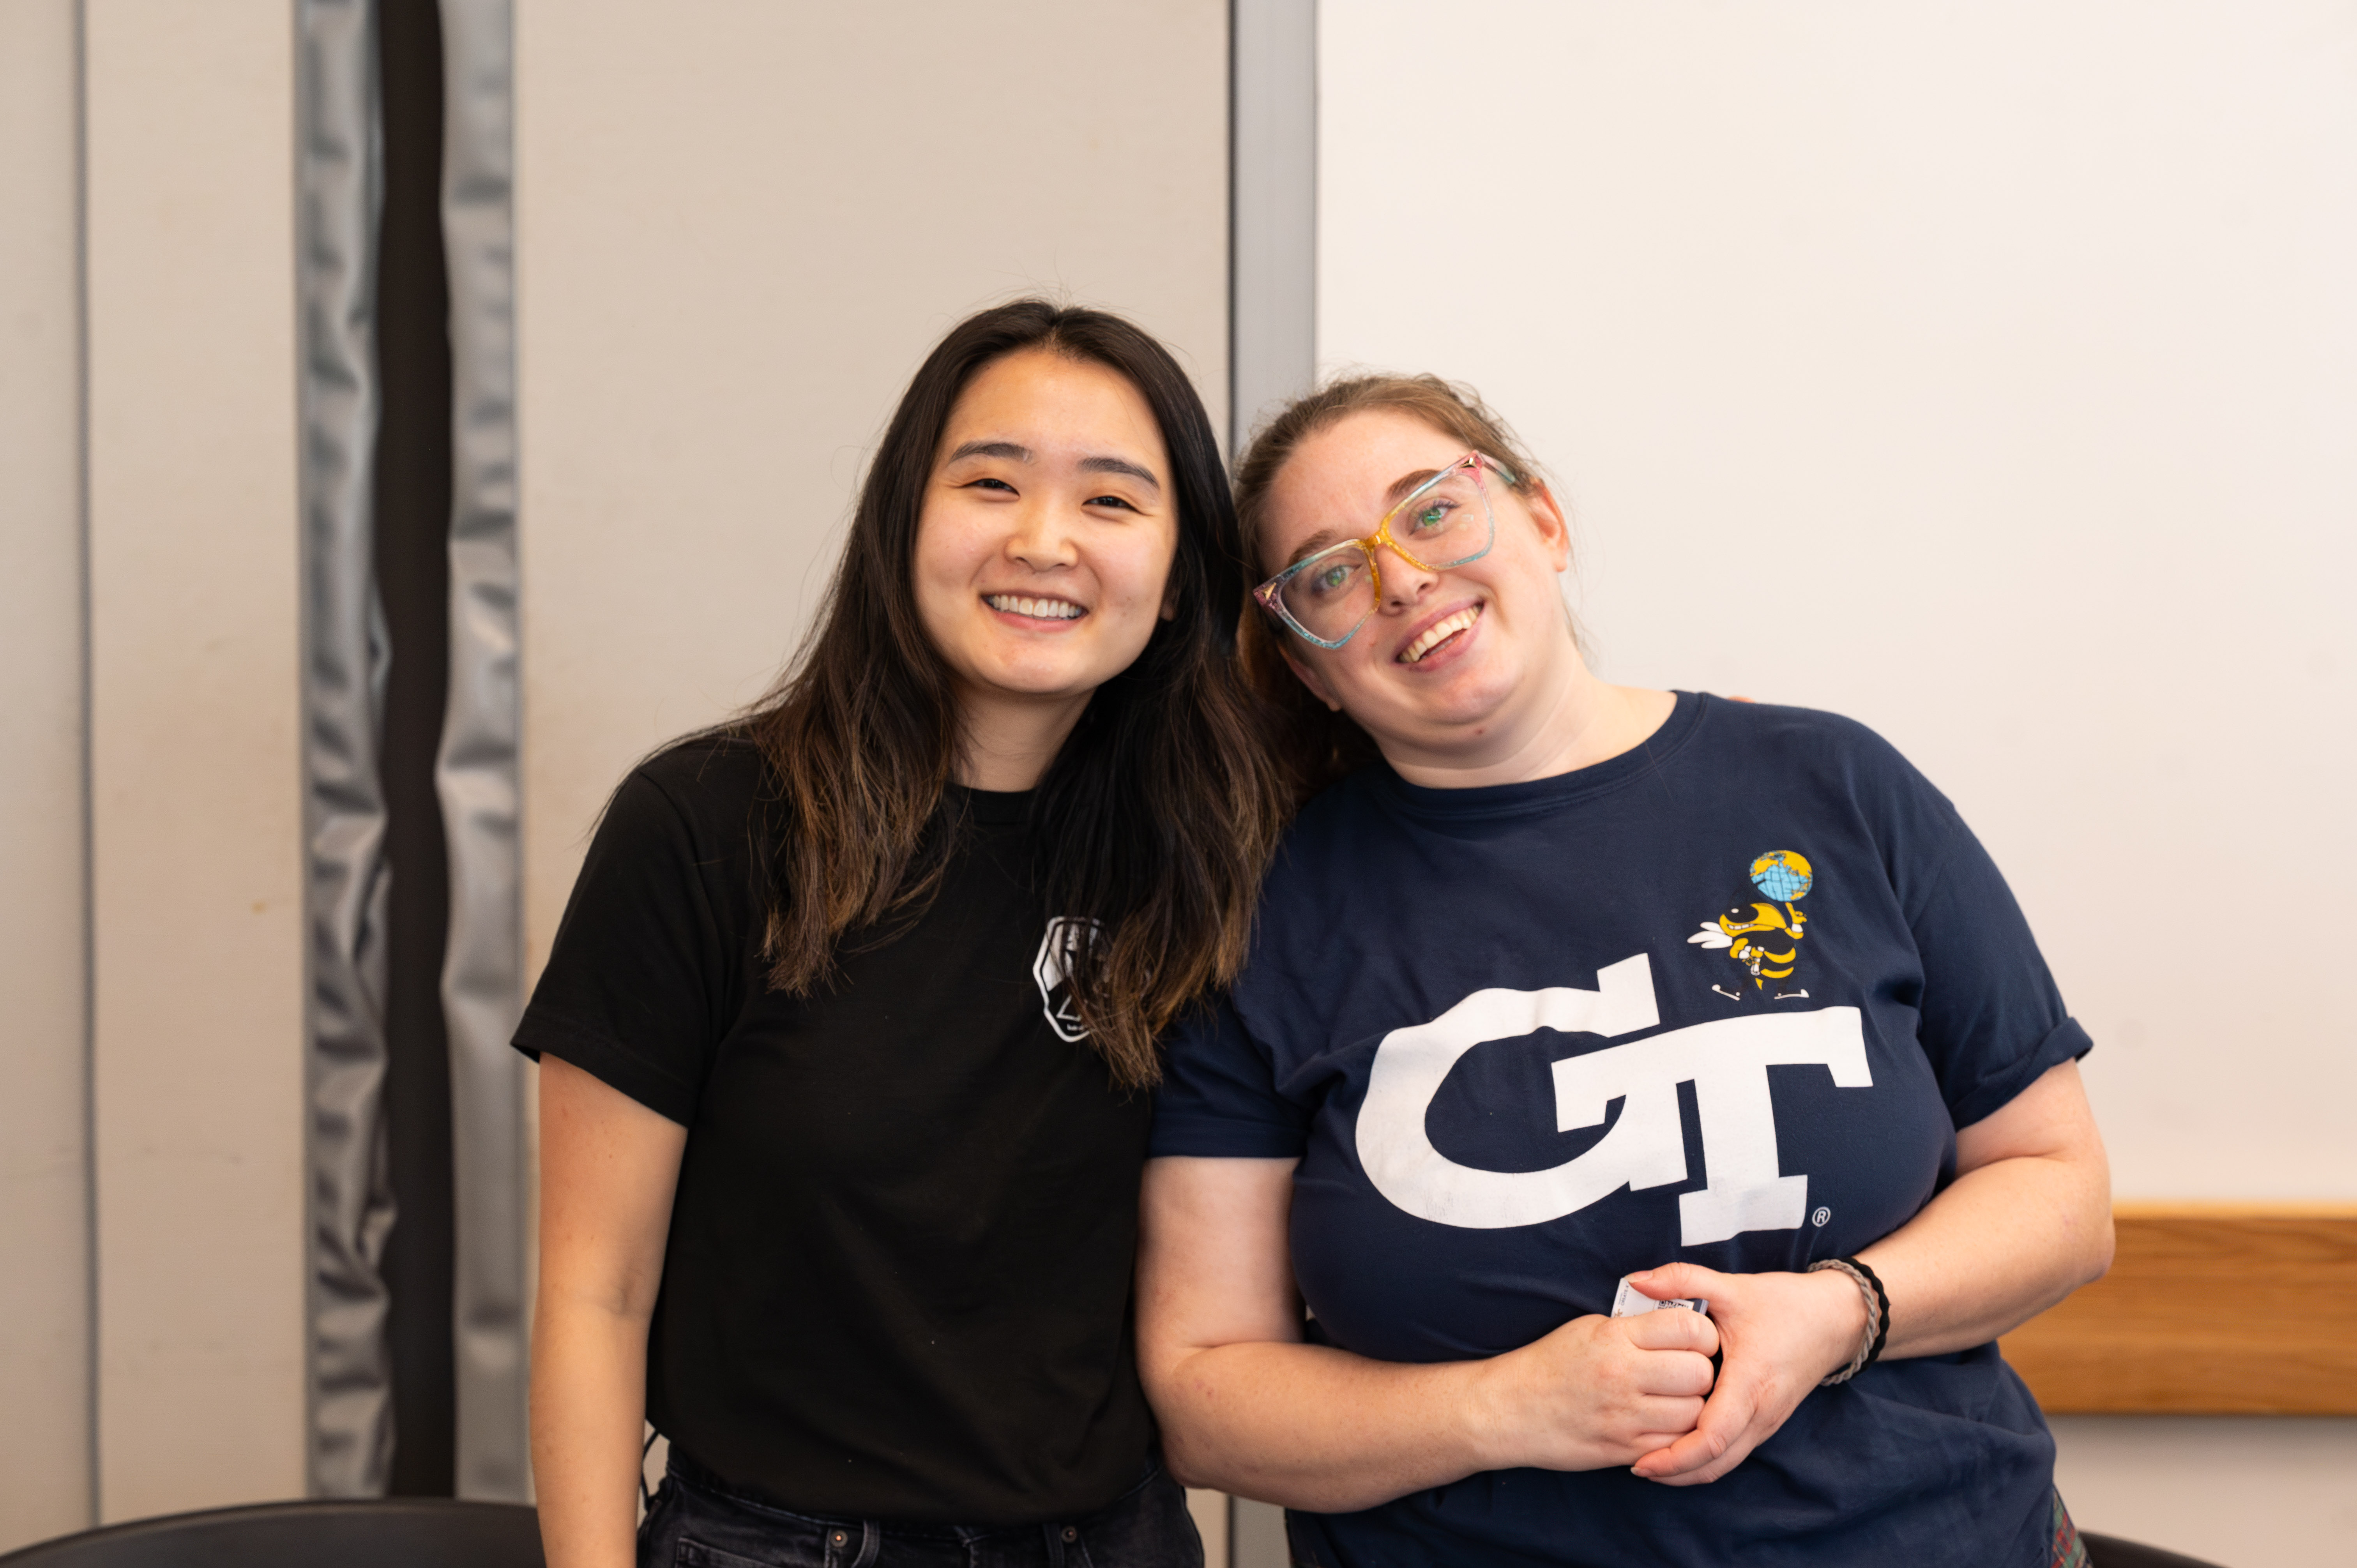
{"x":1453,"y":665}
{"x":1044,"y":541}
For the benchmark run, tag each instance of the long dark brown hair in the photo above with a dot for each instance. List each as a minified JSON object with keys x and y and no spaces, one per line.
{"x":1155,"y":819}
{"x":1315,"y":744}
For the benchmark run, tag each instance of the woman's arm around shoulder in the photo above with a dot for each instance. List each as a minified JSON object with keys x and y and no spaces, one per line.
{"x":608,"y":1166}
{"x":1246,"y":1406}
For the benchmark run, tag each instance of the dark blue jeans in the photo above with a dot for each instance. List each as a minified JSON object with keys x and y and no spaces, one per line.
{"x":698,"y":1522}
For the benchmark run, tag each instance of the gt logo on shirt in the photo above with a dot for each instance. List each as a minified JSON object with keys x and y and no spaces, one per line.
{"x":1727,"y":1061}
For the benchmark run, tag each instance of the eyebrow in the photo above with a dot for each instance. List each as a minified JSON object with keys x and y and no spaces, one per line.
{"x":1313,"y":544}
{"x":1120,"y":466}
{"x":1402,"y":486}
{"x":1006,"y":449}
{"x":1016,"y":452}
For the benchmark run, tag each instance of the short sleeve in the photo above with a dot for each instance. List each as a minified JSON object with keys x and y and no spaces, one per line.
{"x":1991,"y":1019}
{"x":1218,"y":1095}
{"x":637,"y":984}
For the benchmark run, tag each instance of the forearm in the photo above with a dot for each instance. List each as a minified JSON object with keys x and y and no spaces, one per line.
{"x":2026,"y":1222}
{"x":2001,"y":1245}
{"x":588,"y":1415}
{"x":1246,"y":1406}
{"x":1317,"y":1428}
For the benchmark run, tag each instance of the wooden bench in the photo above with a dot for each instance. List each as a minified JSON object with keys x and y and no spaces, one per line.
{"x":2210,"y":1309}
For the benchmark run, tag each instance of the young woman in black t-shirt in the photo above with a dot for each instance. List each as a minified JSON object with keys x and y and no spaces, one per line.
{"x":848,"y":1028}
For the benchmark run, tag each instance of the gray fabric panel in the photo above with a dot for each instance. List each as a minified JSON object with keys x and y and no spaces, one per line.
{"x":1272,"y":193}
{"x":482,"y":976}
{"x":1272,"y":331}
{"x":348,"y":1199}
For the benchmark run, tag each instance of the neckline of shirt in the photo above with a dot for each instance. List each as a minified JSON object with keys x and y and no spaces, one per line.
{"x":991,"y":808}
{"x":1556,"y":789}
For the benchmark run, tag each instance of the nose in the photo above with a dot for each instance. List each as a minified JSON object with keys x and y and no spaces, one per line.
{"x":1404,"y":581}
{"x":1040,"y":538}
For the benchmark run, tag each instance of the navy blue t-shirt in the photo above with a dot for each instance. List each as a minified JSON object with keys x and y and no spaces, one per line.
{"x":1724,"y":999}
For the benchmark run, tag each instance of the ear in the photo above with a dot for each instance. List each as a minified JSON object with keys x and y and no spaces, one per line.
{"x":1313,"y":678}
{"x":1553,"y":530}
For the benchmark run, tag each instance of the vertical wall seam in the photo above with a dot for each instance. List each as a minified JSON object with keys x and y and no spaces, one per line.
{"x":297,"y":108}
{"x":1238,"y":429}
{"x":1272,"y":327}
{"x":348,"y":1197}
{"x":1235,"y":432}
{"x":88,"y":824}
{"x":1273,"y":198}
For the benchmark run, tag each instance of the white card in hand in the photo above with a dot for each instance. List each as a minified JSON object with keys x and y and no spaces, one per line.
{"x":1631,"y":1302}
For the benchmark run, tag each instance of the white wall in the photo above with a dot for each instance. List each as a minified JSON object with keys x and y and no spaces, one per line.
{"x":44,"y":1211}
{"x":2244,"y":1491}
{"x":1987,"y":373}
{"x":741,"y":227}
{"x":192,"y":978}
{"x":740,"y":230}
{"x":2011,"y":350}
{"x":195,"y":786}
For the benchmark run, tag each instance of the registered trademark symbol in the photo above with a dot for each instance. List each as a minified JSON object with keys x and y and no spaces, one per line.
{"x":1820,"y":1216}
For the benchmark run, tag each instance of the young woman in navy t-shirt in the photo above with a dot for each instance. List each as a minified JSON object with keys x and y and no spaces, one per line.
{"x":1560,"y":982}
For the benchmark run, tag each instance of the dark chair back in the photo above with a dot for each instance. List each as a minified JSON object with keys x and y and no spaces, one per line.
{"x":390,"y":1532}
{"x":2111,"y":1552}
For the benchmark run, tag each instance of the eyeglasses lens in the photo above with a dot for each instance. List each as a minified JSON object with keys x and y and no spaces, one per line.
{"x":1444,"y":525}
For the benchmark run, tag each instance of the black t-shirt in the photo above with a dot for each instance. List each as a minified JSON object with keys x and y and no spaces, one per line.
{"x":898,"y":1281}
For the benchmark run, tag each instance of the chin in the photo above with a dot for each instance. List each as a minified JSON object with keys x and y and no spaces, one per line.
{"x":1030,"y":680}
{"x":1464,"y":695}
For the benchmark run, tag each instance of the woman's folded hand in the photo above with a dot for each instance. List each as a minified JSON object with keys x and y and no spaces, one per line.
{"x":1781,"y":1334}
{"x":1598,"y":1391}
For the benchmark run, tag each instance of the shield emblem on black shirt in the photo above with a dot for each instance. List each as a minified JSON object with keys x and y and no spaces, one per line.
{"x":1053,"y":970}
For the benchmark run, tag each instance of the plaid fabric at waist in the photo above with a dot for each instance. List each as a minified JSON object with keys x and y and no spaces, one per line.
{"x":2069,"y":1551}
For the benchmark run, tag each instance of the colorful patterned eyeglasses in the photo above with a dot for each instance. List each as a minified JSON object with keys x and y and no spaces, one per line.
{"x":1444,"y":521}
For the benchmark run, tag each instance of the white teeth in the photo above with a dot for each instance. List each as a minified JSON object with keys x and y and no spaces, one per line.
{"x":1439,"y":632}
{"x":1038,"y":609}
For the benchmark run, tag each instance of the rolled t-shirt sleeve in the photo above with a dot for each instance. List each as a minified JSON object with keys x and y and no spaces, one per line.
{"x":636,"y":986}
{"x":1992,"y":1018}
{"x":1218,"y":1095}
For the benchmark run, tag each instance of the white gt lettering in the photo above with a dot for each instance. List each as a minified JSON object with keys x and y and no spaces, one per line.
{"x":1727,"y":1061}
